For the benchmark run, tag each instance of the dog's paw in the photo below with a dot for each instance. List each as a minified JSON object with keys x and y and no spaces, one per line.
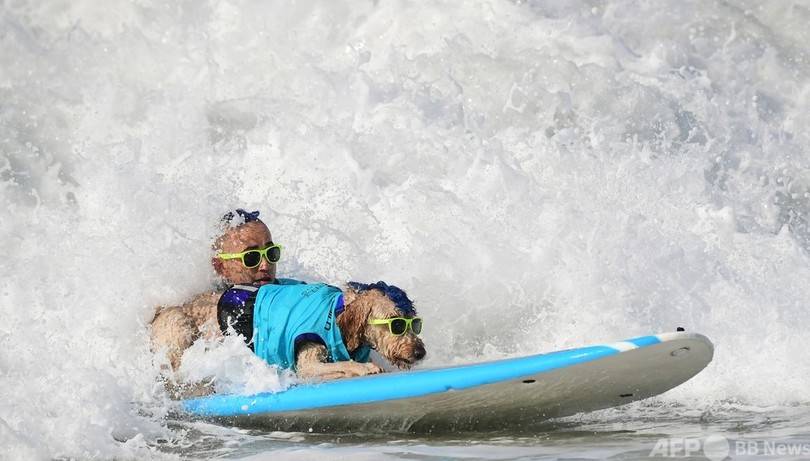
{"x":361,"y":369}
{"x":335,"y":370}
{"x":373,"y":368}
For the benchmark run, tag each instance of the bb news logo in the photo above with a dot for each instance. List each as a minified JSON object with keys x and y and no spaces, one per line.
{"x":718,"y":448}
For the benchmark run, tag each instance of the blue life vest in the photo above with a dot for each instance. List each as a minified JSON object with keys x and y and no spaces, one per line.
{"x":235,"y":309}
{"x":286,"y":314}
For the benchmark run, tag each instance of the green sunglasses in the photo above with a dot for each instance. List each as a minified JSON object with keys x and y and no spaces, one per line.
{"x":399,"y":325}
{"x":252,"y":258}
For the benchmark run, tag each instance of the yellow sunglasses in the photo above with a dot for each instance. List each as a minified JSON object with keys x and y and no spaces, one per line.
{"x":399,"y":325}
{"x":252,"y":258}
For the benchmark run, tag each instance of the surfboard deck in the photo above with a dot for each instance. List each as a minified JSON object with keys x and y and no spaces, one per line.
{"x":476,"y":396}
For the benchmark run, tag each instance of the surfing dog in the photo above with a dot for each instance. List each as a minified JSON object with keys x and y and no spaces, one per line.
{"x":378,"y":317}
{"x":363,"y":317}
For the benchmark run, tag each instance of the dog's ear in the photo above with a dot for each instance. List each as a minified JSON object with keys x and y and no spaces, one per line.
{"x":349,"y":295}
{"x":352,"y":321}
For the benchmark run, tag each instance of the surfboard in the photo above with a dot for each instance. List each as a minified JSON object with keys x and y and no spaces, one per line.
{"x":476,"y":396}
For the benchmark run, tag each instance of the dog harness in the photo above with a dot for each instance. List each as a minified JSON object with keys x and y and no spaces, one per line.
{"x":283,"y":314}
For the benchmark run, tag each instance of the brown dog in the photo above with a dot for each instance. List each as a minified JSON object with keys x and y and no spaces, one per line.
{"x":174,"y":329}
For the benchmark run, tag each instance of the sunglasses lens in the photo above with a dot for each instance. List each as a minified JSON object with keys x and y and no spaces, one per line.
{"x":417,"y":326}
{"x":398,"y":326}
{"x":274,"y":254}
{"x":252,"y":258}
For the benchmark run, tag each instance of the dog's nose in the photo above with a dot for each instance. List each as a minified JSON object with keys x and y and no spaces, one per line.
{"x":419,"y":353}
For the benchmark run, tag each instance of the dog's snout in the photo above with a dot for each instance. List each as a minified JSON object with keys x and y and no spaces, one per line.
{"x":419,"y":352}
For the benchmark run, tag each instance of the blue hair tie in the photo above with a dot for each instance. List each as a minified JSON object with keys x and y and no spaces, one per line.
{"x":396,"y":295}
{"x":247,"y":216}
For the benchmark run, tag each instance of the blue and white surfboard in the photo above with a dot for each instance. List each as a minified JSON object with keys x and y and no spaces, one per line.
{"x":490,"y":394}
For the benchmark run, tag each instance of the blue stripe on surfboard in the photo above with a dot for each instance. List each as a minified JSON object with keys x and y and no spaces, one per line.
{"x":392,"y":386}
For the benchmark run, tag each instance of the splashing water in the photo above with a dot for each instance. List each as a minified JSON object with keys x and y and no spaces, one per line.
{"x":537,"y":175}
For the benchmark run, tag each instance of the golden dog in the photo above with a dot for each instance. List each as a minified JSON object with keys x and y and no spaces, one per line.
{"x":174,"y":329}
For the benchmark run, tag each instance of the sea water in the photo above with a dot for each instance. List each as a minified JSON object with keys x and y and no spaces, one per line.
{"x":537,"y":175}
